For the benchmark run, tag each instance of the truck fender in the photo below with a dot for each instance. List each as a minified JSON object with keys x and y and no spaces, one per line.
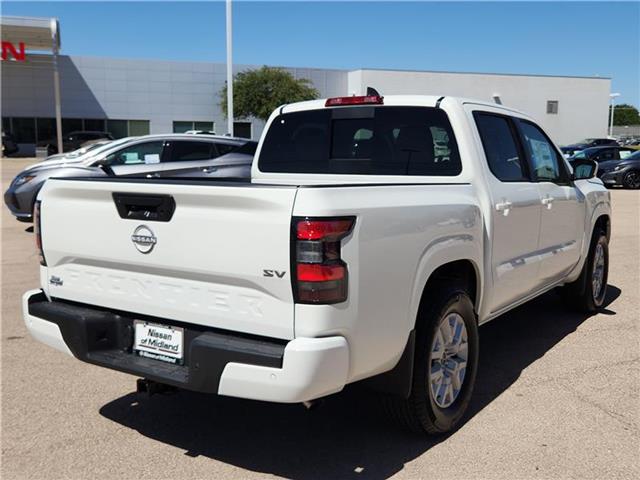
{"x":442,"y":251}
{"x":600,"y":208}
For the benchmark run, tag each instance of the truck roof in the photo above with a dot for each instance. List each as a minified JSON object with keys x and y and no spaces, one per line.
{"x":401,"y":100}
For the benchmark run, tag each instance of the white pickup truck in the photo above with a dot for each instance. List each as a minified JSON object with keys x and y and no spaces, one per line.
{"x":375,"y":236}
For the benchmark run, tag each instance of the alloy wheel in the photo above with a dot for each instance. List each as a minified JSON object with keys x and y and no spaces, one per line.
{"x":597,"y":277}
{"x":448,"y":360}
{"x":632,"y":180}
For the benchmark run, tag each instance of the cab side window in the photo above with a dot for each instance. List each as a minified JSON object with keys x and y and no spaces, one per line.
{"x":501,"y":147}
{"x":545,"y":160}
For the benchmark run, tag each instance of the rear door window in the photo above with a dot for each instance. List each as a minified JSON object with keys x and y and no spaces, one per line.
{"x":248,"y":148}
{"x":501,"y":147}
{"x":224,"y":148}
{"x":605,"y":154}
{"x":362,"y":140}
{"x":188,"y":151}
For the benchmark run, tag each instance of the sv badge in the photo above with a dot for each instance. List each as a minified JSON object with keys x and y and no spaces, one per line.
{"x":273,"y":273}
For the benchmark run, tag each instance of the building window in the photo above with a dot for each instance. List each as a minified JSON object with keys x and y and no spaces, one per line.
{"x":138,"y":127}
{"x":71,"y":125}
{"x":46,"y":129}
{"x":36,"y":130}
{"x":242,"y":129}
{"x":24,"y":129}
{"x":185,"y":126}
{"x":204,"y":126}
{"x":118,"y":128}
{"x":94,"y":125}
{"x":552,"y":107}
{"x":181,"y":127}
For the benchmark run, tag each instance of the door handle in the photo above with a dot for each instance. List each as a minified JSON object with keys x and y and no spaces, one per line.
{"x":139,"y":206}
{"x":548,"y":201}
{"x":209,"y":169}
{"x":504,"y":207}
{"x":153,"y":175}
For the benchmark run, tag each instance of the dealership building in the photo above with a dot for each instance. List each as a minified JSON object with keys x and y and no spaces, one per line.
{"x":137,"y":97}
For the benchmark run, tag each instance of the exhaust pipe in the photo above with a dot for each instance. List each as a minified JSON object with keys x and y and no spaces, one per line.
{"x":144,"y":385}
{"x":311,"y":405}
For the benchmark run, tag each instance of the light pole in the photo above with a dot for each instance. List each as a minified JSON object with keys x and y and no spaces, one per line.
{"x":612,"y":96}
{"x":229,"y":72}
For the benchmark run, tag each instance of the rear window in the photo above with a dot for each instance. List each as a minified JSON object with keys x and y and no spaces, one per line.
{"x":362,"y":140}
{"x":189,"y":151}
{"x":248,"y":148}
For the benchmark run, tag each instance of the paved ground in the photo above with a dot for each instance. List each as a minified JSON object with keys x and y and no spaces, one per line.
{"x":557,"y":398}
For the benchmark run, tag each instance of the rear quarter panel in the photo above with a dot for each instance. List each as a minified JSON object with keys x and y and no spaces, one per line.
{"x":402,"y":234}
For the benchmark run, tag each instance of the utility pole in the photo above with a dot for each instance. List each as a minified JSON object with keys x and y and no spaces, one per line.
{"x":612,"y":97}
{"x":229,"y":71}
{"x":56,"y":82}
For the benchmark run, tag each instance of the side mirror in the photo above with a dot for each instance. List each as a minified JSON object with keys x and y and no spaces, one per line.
{"x":584,"y":169}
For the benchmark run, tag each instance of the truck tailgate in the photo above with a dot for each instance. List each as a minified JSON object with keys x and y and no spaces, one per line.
{"x":206,"y":265}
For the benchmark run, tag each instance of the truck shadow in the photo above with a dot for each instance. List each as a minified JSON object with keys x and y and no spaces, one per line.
{"x":348,"y":435}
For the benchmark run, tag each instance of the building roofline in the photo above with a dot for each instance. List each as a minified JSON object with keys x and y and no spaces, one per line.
{"x":345,"y":70}
{"x":13,"y":18}
{"x":481,"y":73}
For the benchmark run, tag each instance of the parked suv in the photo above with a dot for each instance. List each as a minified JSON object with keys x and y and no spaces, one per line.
{"x":150,"y":156}
{"x":623,"y":172}
{"x":374,"y":237}
{"x":569,"y":150}
{"x":604,"y":153}
{"x":73,"y":140}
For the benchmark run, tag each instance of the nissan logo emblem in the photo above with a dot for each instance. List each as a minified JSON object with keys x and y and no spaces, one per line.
{"x":144,"y":239}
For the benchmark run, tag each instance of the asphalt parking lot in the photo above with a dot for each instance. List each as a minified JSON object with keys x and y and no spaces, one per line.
{"x":557,"y":397}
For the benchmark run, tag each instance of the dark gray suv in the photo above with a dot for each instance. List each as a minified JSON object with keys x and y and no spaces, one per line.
{"x":150,"y":156}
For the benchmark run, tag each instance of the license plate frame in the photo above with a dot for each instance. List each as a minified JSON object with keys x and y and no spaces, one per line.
{"x":164,"y":343}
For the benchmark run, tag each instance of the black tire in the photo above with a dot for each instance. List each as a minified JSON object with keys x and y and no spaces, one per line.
{"x":581,"y":294}
{"x":420,"y":412}
{"x":631,"y":179}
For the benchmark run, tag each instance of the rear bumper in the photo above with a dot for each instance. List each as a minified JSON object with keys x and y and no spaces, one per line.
{"x":216,"y":361}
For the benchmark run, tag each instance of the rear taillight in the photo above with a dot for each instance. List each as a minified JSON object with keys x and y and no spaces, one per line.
{"x":37,"y":231}
{"x":319,"y":273}
{"x":354,"y":100}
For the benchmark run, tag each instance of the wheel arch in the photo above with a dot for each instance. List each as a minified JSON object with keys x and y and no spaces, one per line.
{"x":603,"y":221}
{"x":397,"y":381}
{"x":464,"y":271}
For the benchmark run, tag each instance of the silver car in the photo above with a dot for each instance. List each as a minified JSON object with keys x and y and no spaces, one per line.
{"x":150,"y":156}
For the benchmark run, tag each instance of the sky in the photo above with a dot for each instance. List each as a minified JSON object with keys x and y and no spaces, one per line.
{"x":550,"y":38}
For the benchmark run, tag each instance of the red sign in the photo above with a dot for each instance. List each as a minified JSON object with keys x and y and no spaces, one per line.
{"x":9,"y":48}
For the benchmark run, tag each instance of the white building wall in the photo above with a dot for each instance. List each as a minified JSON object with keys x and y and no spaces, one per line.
{"x":167,"y":91}
{"x":582,"y":108}
{"x":130,"y":89}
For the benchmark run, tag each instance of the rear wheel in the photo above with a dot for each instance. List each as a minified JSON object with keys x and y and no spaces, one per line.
{"x":588,"y":292}
{"x":445,"y":365}
{"x":631,"y":179}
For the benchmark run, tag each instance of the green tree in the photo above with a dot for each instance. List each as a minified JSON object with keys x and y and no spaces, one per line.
{"x":625,"y":114}
{"x":257,"y":93}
